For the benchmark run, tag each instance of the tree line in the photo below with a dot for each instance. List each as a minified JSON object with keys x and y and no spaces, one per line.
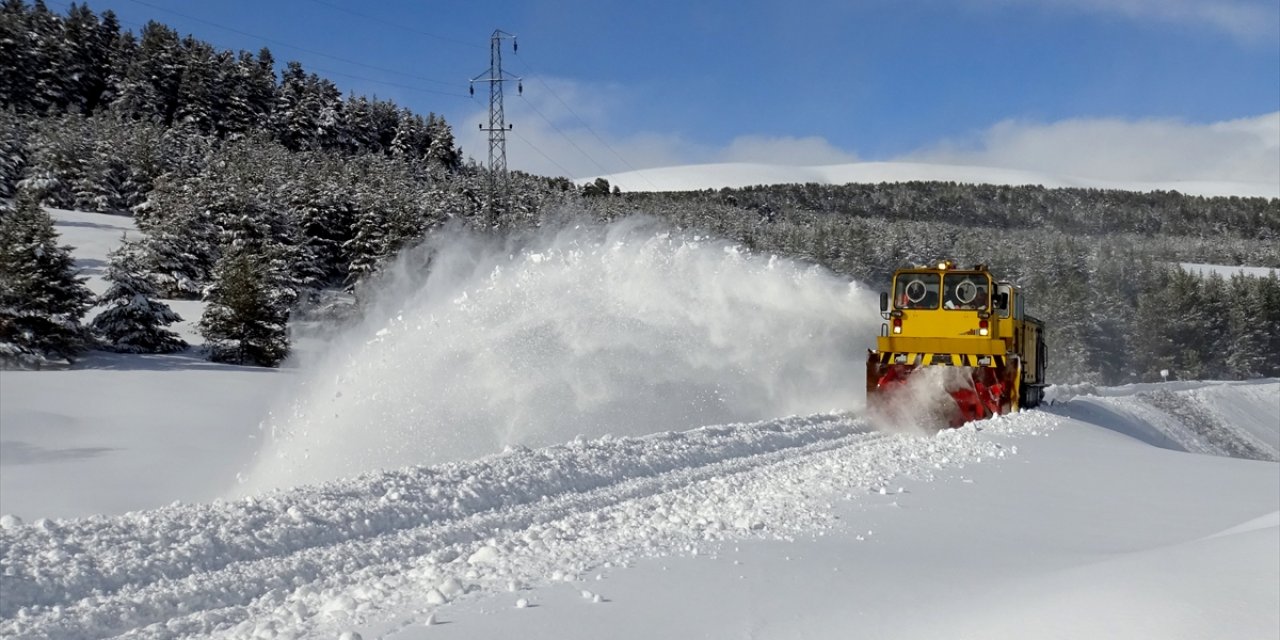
{"x":83,"y":63}
{"x":1101,"y":267}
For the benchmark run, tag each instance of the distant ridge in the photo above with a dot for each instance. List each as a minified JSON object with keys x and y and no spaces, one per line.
{"x":742,"y":174}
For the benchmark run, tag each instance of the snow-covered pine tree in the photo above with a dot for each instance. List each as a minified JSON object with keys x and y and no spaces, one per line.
{"x":411,"y":136}
{"x":51,"y":85}
{"x":42,"y":299}
{"x":17,"y":57}
{"x":442,"y":150}
{"x":246,"y":320}
{"x":181,"y":238}
{"x":86,"y":43}
{"x":14,"y":130}
{"x":198,"y":103}
{"x":294,"y":123}
{"x":134,"y":321}
{"x":320,"y":204}
{"x":241,"y":114}
{"x":56,"y":155}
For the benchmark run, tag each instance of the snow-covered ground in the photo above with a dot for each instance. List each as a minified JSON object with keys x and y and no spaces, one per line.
{"x":1225,"y":271}
{"x":1145,"y":511}
{"x":740,"y":174}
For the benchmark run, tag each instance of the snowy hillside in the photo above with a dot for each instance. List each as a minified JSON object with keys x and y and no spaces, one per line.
{"x":735,"y":175}
{"x":488,"y":457}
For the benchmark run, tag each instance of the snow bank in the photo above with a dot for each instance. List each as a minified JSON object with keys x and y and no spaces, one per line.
{"x":1223,"y":585}
{"x":1240,"y":419}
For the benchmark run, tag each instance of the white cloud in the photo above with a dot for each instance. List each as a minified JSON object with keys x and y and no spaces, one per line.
{"x":1248,"y":20}
{"x":1244,"y":150}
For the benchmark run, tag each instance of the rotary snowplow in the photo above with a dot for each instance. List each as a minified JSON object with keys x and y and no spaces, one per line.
{"x":969,"y":330}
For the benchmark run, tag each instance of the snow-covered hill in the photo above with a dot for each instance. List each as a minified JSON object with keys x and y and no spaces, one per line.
{"x":1146,"y":511}
{"x":739,"y":174}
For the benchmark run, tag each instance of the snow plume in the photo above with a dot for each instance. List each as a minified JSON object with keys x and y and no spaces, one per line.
{"x":579,"y":330}
{"x":923,"y":404}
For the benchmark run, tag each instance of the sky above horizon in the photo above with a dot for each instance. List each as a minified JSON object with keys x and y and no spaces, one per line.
{"x":1124,"y":89}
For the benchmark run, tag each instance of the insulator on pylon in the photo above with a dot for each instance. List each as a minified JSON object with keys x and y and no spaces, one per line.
{"x":473,"y":89}
{"x":520,"y":88}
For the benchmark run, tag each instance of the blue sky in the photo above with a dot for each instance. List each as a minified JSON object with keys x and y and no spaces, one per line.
{"x":1034,"y":84}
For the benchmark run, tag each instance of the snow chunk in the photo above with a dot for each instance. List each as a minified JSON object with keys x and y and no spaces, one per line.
{"x":452,"y":588}
{"x":10,"y":521}
{"x":522,"y":603}
{"x":339,"y":604}
{"x":486,"y":555}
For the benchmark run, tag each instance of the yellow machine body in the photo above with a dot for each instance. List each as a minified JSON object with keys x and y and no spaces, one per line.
{"x":941,"y":315}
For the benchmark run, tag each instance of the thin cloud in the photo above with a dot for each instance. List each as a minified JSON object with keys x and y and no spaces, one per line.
{"x":1243,"y":150}
{"x":551,"y":138}
{"x":1245,"y":20}
{"x":785,"y":150}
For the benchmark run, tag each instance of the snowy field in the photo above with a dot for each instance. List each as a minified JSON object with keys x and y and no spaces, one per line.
{"x":1224,"y":271}
{"x":167,"y":497}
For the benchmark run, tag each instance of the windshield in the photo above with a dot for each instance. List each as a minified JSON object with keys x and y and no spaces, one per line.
{"x":917,"y":291}
{"x":966,"y":291}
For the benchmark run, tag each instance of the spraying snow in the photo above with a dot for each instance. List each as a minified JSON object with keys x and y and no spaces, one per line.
{"x":923,"y":404}
{"x":624,"y":329}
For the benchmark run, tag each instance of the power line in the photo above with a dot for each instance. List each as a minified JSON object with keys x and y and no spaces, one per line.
{"x":320,"y":69}
{"x":292,"y":46}
{"x":395,"y":24}
{"x":529,"y":142}
{"x":565,"y":172}
{"x":532,"y":73}
{"x":391,"y":84}
{"x":565,"y":136}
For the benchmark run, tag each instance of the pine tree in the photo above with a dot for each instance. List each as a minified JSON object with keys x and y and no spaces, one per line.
{"x":17,"y":64}
{"x":134,"y":321}
{"x":42,"y":299}
{"x":245,"y":322}
{"x":294,"y":122}
{"x":197,"y":105}
{"x":86,"y":43}
{"x":442,"y":150}
{"x":13,"y":149}
{"x":51,"y":89}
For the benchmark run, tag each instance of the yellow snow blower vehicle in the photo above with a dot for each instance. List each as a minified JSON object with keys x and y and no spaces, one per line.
{"x":963,"y":320}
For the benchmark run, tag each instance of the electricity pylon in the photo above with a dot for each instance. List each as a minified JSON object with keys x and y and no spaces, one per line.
{"x":495,"y":76}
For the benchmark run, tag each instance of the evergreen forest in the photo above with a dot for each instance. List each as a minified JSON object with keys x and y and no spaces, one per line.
{"x":264,"y":191}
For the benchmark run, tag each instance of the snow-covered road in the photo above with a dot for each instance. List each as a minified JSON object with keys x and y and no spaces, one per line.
{"x":311,"y":559}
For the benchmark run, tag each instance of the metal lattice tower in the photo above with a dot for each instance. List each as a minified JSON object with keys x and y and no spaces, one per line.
{"x":495,"y":76}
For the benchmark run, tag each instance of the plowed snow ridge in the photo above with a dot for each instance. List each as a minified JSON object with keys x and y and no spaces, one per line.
{"x":278,"y":561}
